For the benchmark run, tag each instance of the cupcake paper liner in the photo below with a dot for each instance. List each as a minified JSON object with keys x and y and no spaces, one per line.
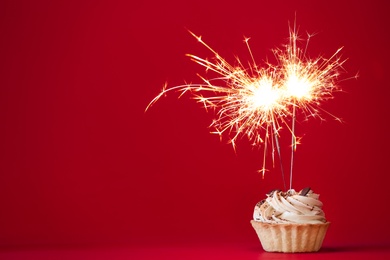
{"x":290,"y":238}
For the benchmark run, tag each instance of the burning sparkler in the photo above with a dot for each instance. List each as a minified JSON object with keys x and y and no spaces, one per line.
{"x":307,"y":82}
{"x":258,"y":101}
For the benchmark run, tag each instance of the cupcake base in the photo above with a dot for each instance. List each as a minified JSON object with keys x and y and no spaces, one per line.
{"x":290,"y":238}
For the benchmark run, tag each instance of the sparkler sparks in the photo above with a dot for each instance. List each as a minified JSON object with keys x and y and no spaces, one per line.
{"x":258,"y":101}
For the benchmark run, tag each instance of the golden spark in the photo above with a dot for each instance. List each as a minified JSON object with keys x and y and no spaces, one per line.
{"x":256,"y":101}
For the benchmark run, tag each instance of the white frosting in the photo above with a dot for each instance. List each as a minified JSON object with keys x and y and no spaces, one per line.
{"x":290,"y":207}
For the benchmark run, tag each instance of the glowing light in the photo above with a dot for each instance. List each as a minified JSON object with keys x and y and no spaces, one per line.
{"x":257,"y":101}
{"x":299,"y":87}
{"x":264,"y":95}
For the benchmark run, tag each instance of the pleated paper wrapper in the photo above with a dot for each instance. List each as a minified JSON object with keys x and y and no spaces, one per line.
{"x":290,"y":238}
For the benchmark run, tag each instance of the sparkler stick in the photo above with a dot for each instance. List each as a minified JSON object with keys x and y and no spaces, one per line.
{"x":293,"y":144}
{"x":292,"y":51}
{"x":279,"y":154}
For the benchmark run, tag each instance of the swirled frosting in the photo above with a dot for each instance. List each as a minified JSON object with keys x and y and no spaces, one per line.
{"x":302,"y":207}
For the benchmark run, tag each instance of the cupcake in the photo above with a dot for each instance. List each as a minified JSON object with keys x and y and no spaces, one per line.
{"x":290,"y":221}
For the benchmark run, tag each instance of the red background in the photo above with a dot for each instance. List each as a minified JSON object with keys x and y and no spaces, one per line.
{"x":82,"y":163}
